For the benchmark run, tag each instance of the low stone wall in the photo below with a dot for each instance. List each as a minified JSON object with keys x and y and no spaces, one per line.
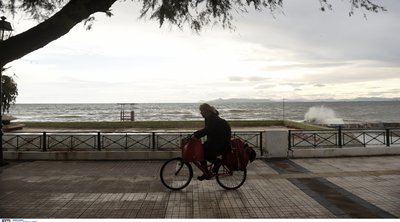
{"x":343,"y":152}
{"x":90,"y":155}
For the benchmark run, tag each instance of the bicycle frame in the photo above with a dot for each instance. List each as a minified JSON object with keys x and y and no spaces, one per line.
{"x":209,"y":169}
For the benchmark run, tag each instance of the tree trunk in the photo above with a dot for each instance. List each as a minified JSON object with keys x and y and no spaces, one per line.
{"x":51,"y":29}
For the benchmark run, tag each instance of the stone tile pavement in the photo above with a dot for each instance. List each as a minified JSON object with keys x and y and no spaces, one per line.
{"x":357,"y":187}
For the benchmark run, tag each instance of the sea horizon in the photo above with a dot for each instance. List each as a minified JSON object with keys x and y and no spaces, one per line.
{"x":348,"y":112}
{"x":237,"y":100}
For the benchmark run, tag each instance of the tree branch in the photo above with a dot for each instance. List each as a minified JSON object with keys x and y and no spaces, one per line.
{"x":53,"y":28}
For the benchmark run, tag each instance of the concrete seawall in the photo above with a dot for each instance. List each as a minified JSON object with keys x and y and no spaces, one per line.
{"x":90,"y":155}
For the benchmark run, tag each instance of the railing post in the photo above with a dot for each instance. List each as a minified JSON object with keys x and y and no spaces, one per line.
{"x":17,"y":142}
{"x":314,"y":140}
{"x":261,"y":145}
{"x":364,"y":142}
{"x":340,"y":137}
{"x":126,"y":141}
{"x":71,"y":143}
{"x":98,"y":141}
{"x":387,"y":137}
{"x":44,"y":148}
{"x":153,"y":139}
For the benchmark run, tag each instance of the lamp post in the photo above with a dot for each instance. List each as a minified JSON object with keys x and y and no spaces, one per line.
{"x":5,"y":33}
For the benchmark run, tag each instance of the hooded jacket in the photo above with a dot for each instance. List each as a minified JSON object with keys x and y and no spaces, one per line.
{"x":218,"y":133}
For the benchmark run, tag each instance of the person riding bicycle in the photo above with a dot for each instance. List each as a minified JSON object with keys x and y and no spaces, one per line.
{"x":218,"y":133}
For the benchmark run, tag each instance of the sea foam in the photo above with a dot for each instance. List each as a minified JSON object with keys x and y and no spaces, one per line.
{"x":322,"y":115}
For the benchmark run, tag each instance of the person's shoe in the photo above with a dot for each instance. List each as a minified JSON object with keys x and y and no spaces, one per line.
{"x":204,"y":177}
{"x":217,"y":164}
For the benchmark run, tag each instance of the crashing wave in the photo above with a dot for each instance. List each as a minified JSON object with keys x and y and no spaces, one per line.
{"x":322,"y":115}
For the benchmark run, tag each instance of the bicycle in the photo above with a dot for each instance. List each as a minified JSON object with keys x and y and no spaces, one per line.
{"x":176,"y":173}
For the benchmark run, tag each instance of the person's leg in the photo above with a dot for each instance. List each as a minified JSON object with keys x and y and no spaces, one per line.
{"x":218,"y":161}
{"x":212,"y":156}
{"x":217,"y":164}
{"x":203,"y":164}
{"x":207,"y":155}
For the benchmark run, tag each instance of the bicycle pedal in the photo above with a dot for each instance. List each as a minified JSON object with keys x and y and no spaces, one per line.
{"x":204,"y":177}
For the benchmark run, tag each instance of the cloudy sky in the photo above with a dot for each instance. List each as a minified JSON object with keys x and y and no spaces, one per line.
{"x":297,"y":53}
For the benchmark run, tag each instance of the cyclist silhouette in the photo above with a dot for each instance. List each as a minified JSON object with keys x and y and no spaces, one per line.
{"x":218,"y":134}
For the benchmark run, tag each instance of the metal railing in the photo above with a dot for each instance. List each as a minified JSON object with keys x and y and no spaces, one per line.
{"x":86,"y":141}
{"x":343,"y":138}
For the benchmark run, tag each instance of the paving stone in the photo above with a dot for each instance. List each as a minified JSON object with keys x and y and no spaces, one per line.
{"x":132,"y":189}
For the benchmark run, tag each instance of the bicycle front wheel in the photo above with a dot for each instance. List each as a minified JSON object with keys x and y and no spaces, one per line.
{"x":230,"y":180}
{"x":176,"y":174}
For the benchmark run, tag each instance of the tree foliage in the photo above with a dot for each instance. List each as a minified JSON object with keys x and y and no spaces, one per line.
{"x":36,"y":9}
{"x":57,"y":17}
{"x":201,"y":12}
{"x":196,"y":13}
{"x":10,"y":92}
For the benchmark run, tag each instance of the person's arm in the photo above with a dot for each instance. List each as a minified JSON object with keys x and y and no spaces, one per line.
{"x":205,"y":131}
{"x":200,"y":133}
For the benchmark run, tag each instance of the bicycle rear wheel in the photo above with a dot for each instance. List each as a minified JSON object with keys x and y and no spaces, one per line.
{"x":230,"y":180}
{"x":176,"y":174}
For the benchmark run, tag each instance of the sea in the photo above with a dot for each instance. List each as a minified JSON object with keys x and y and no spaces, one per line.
{"x":320,"y":112}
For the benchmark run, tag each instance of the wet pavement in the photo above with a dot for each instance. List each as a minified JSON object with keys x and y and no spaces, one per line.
{"x":357,"y":187}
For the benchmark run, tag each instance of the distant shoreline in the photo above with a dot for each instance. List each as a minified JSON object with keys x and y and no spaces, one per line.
{"x":222,"y":101}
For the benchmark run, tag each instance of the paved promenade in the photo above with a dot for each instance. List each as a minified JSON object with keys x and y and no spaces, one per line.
{"x":358,"y":187}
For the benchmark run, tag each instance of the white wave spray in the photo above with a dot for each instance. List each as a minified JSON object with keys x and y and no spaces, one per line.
{"x":322,"y":115}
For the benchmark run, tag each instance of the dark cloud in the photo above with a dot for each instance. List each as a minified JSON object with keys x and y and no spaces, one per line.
{"x":247,"y":79}
{"x":257,"y":78}
{"x":327,"y":36}
{"x":294,"y":84}
{"x":350,"y":76}
{"x":265,"y":86}
{"x":236,"y":78}
{"x":305,"y":65}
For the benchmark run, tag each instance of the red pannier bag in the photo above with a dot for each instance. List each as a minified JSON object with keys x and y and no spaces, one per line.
{"x":192,"y":150}
{"x":237,"y":158}
{"x":229,"y":159}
